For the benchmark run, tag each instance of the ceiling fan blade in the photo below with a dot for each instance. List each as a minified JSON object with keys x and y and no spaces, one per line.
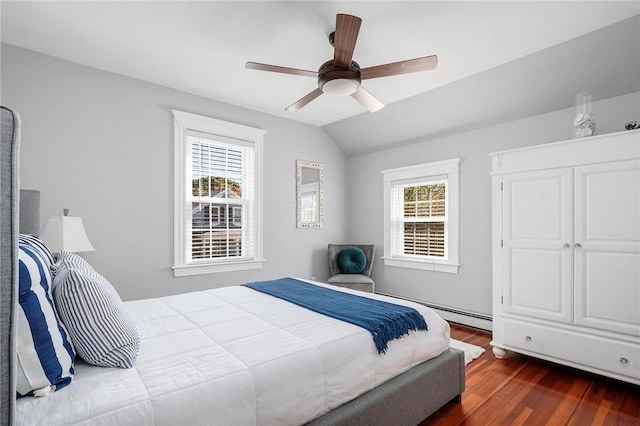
{"x":370,"y":102}
{"x":304,"y":101}
{"x":282,"y":70}
{"x":344,"y":41}
{"x":403,"y":67}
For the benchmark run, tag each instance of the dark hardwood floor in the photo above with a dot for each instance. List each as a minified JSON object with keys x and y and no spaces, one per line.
{"x":519,"y":390}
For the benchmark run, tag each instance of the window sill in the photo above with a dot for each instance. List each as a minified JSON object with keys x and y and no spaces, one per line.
{"x":188,"y":270}
{"x":450,"y":268}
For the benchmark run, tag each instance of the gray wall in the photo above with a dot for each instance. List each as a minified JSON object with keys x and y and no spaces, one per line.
{"x":470,"y":289}
{"x":102,"y":145}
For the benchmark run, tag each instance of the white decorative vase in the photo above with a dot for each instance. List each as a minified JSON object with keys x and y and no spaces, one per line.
{"x":584,"y":123}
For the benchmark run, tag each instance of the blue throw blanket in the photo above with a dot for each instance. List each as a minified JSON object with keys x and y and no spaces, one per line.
{"x":385,"y":321}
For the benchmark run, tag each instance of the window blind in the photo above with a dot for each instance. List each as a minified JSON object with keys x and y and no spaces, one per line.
{"x":220,"y":201}
{"x":419,"y":218}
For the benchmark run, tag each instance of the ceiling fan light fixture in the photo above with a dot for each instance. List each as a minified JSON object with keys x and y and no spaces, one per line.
{"x":340,"y":87}
{"x":342,"y":76}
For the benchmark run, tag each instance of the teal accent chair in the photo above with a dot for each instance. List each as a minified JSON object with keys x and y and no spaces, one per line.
{"x":362,"y":281}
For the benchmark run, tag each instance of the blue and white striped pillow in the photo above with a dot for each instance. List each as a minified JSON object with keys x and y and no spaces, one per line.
{"x":102,"y":331}
{"x":36,"y":244}
{"x":44,"y":352}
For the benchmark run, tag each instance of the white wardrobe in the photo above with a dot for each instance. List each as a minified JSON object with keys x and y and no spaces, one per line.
{"x":566,"y":253}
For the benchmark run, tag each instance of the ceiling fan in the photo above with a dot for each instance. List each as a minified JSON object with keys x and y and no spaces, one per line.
{"x":341,"y":76}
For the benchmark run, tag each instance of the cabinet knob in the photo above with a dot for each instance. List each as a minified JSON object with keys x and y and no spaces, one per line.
{"x":566,"y":245}
{"x":624,"y":361}
{"x":530,"y":339}
{"x":578,"y":245}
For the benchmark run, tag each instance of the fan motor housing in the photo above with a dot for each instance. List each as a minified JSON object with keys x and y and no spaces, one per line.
{"x":339,"y":81}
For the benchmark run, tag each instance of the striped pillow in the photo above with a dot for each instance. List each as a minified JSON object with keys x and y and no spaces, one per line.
{"x":37,"y":245}
{"x":44,"y":351}
{"x":100,"y":327}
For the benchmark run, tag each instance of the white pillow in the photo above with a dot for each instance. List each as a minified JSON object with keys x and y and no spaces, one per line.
{"x":44,"y":352}
{"x":100,"y":327}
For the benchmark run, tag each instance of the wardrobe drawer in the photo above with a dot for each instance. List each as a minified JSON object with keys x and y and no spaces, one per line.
{"x":574,"y":348}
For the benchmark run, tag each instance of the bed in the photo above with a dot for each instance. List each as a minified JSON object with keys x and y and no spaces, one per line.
{"x":235,"y":355}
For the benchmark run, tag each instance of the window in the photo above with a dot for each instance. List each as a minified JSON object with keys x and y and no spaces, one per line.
{"x":217,"y":212}
{"x":422,"y":221}
{"x":309,"y":203}
{"x":421,"y":216}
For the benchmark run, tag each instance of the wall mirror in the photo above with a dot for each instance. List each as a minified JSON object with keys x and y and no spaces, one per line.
{"x":309,"y":194}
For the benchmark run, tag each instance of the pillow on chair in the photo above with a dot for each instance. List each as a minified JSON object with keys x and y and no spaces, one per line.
{"x":351,"y":260}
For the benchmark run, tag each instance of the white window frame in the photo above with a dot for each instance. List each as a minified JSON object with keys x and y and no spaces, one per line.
{"x":184,"y":122}
{"x":440,"y":170}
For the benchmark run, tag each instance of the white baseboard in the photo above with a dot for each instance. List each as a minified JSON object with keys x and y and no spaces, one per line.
{"x":458,"y":316}
{"x":481,"y":323}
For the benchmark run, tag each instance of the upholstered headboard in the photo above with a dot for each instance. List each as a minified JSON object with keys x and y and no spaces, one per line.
{"x":9,"y":205}
{"x":29,"y":212}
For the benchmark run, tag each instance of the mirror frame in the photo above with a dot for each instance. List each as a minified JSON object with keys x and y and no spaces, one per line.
{"x":300,"y":165}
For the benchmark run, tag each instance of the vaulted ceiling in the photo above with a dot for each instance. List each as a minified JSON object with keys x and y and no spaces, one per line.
{"x":490,"y":54}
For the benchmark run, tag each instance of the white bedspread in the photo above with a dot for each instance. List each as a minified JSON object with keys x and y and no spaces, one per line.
{"x":234,"y":356}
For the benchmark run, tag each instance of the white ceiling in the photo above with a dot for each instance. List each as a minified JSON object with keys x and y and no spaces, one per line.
{"x":201,"y":47}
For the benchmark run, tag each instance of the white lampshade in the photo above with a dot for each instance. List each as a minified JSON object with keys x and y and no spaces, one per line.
{"x":65,"y":233}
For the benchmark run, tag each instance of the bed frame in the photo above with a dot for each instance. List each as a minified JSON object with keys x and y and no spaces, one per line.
{"x":405,"y":400}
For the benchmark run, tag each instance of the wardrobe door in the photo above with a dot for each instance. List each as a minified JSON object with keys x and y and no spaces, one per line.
{"x":537,"y":244}
{"x":607,"y":246}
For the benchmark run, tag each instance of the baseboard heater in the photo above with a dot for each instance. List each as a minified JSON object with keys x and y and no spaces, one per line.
{"x":471,"y":319}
